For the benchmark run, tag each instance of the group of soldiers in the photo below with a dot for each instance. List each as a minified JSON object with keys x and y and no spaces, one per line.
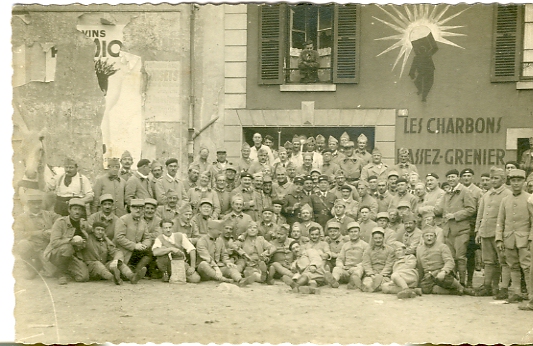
{"x":310,"y":214}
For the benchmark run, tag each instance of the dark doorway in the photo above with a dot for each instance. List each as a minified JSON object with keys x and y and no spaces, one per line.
{"x":522,"y":144}
{"x":283,"y":134}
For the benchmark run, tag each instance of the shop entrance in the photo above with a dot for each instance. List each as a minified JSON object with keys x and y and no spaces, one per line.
{"x":283,"y":134}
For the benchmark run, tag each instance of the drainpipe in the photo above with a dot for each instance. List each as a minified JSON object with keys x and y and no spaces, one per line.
{"x":192,"y":96}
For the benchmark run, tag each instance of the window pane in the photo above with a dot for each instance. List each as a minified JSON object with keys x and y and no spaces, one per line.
{"x":325,"y":17}
{"x":325,"y":39}
{"x":528,"y":36}
{"x":298,"y":17}
{"x":527,"y":71}
{"x":298,"y":39}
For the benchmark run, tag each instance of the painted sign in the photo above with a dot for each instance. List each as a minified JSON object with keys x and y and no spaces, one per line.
{"x":163,"y":91}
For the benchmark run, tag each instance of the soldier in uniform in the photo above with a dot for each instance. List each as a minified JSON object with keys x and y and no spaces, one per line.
{"x":232,"y":180}
{"x":224,"y":196}
{"x":126,"y":160}
{"x":105,"y":215}
{"x":320,"y":143}
{"x":70,"y":185}
{"x":514,"y":232}
{"x":282,"y":186}
{"x":296,"y":155}
{"x":364,"y":155}
{"x":244,"y":161}
{"x":384,"y":197}
{"x":282,"y":258}
{"x":377,"y":262}
{"x":365,"y":199}
{"x":375,"y":167}
{"x":295,"y":200}
{"x":220,"y":165}
{"x":110,"y":183}
{"x":236,"y":217}
{"x":344,"y":139}
{"x":323,"y":201}
{"x":333,"y":145}
{"x":404,"y":167}
{"x":170,"y":181}
{"x":351,"y":165}
{"x":139,"y":186}
{"x":32,"y":231}
{"x":192,"y":178}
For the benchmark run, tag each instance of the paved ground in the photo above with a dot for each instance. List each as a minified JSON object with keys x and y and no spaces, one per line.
{"x":152,"y":311}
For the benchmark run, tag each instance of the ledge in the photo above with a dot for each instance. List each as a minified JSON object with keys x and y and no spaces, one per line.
{"x":524,"y":85}
{"x":308,"y":87}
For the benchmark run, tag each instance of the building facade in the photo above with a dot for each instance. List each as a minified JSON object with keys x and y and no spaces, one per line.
{"x":454,"y":84}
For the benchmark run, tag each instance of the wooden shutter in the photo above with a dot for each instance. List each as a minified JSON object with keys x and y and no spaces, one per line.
{"x":346,"y":44}
{"x":507,"y":43}
{"x":271,"y":34}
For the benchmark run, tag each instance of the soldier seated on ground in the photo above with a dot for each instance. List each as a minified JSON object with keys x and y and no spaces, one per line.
{"x":257,"y":253}
{"x":169,"y":246}
{"x":282,"y":258}
{"x":437,"y":265}
{"x":214,"y":260}
{"x":101,"y":256}
{"x":377,"y":262}
{"x":308,"y":271}
{"x":404,"y":278}
{"x":296,"y":234}
{"x":349,"y":267}
{"x":67,"y":239}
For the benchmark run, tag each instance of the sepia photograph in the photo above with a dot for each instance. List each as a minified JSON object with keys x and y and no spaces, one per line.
{"x":272,"y":172}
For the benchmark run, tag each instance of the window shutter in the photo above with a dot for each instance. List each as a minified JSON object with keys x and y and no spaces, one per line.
{"x":346,"y":39}
{"x":271,"y":33}
{"x":507,"y":36}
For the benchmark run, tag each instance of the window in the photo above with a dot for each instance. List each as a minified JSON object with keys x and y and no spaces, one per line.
{"x":512,"y":43}
{"x":284,"y":30}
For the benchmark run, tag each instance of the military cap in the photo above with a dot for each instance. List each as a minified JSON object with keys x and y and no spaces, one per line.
{"x":156,"y":163}
{"x":353,"y":224}
{"x":404,"y":204}
{"x":257,"y":175}
{"x":409,"y":217}
{"x":434,"y":175}
{"x":402,"y":180}
{"x":126,"y":154}
{"x":299,"y":180}
{"x":282,"y":149}
{"x":295,"y":137}
{"x":487,"y":175}
{"x":403,"y":151}
{"x":340,"y":202}
{"x":378,"y":230}
{"x":221,"y":151}
{"x":113,"y":161}
{"x":215,"y":224}
{"x":426,"y":212}
{"x":349,"y":144}
{"x":171,"y":161}
{"x":345,"y":136}
{"x":76,"y":201}
{"x":333,"y":224}
{"x":185,"y":207}
{"x":323,"y":178}
{"x":315,"y":170}
{"x":69,"y":162}
{"x":332,"y":139}
{"x":452,"y":171}
{"x":307,"y":207}
{"x":143,"y":162}
{"x":230,"y":167}
{"x":320,"y":137}
{"x":106,"y":197}
{"x":346,"y":187}
{"x":466,"y":170}
{"x":372,"y":177}
{"x":237,"y":197}
{"x":150,"y":201}
{"x":98,"y":224}
{"x":246,"y":175}
{"x":362,"y":137}
{"x":205,"y":201}
{"x":267,"y":209}
{"x":429,"y":230}
{"x":287,"y":144}
{"x":34,"y":196}
{"x":393,"y":174}
{"x":310,"y":140}
{"x":376,"y":151}
{"x":277,"y":201}
{"x":307,"y":154}
{"x":496,"y":171}
{"x":267,"y":179}
{"x":517,"y":173}
{"x":137,"y":202}
{"x":382,"y":215}
{"x":245,"y":145}
{"x":339,"y":173}
{"x":307,"y":177}
{"x":327,"y":151}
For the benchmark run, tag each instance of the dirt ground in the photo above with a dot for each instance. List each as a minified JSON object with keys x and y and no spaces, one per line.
{"x":152,"y":311}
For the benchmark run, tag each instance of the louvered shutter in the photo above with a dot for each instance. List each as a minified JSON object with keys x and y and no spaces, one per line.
{"x":346,"y":50}
{"x":271,"y":33}
{"x":507,"y":37}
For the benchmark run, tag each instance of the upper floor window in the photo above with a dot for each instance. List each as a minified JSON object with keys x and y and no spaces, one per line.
{"x":512,"y":43}
{"x":330,"y":33}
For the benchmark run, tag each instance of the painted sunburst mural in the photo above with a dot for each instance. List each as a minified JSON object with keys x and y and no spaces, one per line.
{"x":419,"y":29}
